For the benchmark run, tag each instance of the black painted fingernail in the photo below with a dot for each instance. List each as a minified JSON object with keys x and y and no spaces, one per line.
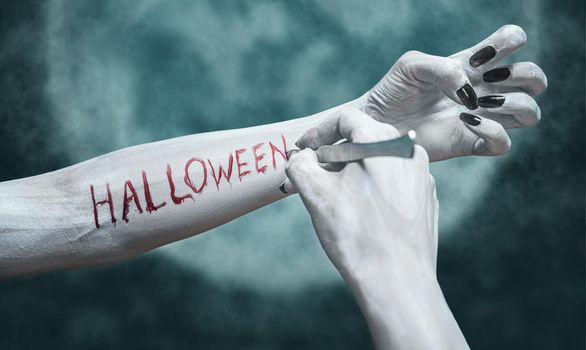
{"x":470,"y":118}
{"x":482,"y":56}
{"x":468,"y":96}
{"x":491,"y":101}
{"x":496,"y":75}
{"x":282,"y":188}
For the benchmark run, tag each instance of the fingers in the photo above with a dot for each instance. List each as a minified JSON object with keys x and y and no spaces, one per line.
{"x":492,"y":50}
{"x":492,"y":138}
{"x":306,"y":176}
{"x":287,"y":186}
{"x":310,"y":178}
{"x":511,"y":110}
{"x":348,"y":123}
{"x":443,"y":72}
{"x":523,"y":75}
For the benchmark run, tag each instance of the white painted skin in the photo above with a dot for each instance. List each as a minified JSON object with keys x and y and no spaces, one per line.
{"x":419,"y":93}
{"x":377,"y":221}
{"x":47,"y":221}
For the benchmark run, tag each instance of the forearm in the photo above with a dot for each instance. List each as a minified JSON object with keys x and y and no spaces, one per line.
{"x":127,"y":202}
{"x":405,"y":308}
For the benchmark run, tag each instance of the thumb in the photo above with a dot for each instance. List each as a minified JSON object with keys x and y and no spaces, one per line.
{"x":444,"y":72}
{"x":307,"y":177}
{"x":492,"y":137}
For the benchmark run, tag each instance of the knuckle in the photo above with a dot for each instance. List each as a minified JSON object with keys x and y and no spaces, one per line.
{"x":349,"y":110}
{"x":364,"y":133}
{"x":290,"y":167}
{"x":409,"y":56}
{"x":388,"y":131}
{"x":303,"y":156}
{"x":349,"y":115}
{"x":409,"y":61}
{"x":296,"y":163}
{"x":446,"y":69}
{"x":451,"y":69}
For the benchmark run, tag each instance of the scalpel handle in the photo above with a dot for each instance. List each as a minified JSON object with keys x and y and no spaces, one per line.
{"x":403,"y":147}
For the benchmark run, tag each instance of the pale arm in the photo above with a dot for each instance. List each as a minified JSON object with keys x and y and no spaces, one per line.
{"x":377,"y":221}
{"x":66,"y":219}
{"x":47,"y":222}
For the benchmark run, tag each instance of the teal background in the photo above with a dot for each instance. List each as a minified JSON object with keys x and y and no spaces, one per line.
{"x":82,"y":78}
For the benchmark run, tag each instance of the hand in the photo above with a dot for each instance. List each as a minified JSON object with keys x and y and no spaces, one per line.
{"x":428,"y":93}
{"x":377,"y":221}
{"x":370,"y":210}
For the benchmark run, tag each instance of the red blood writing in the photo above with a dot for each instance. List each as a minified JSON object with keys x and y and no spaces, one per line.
{"x":240,"y":164}
{"x":221,"y":171}
{"x":176,"y":199}
{"x":258,"y":158}
{"x":108,"y":201}
{"x":150,"y":206}
{"x":188,"y":181}
{"x":283,"y":153}
{"x":134,"y":196}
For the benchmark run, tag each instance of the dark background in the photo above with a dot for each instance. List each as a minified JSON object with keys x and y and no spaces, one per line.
{"x":512,"y":267}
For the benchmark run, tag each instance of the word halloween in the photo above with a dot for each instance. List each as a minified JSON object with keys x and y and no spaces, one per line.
{"x":195,"y":184}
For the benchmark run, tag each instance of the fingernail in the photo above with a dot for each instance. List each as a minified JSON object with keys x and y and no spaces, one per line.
{"x":496,"y":75}
{"x":291,"y":152}
{"x":482,"y":56}
{"x":491,"y":101}
{"x":468,"y":96}
{"x":282,"y":188}
{"x":470,"y":119}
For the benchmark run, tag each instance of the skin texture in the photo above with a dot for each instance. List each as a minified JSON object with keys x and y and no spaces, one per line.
{"x":49,"y":221}
{"x":377,"y":220}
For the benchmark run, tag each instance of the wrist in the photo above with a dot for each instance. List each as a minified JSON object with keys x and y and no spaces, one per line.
{"x":390,"y":278}
{"x":404,"y":306}
{"x":394,"y":262}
